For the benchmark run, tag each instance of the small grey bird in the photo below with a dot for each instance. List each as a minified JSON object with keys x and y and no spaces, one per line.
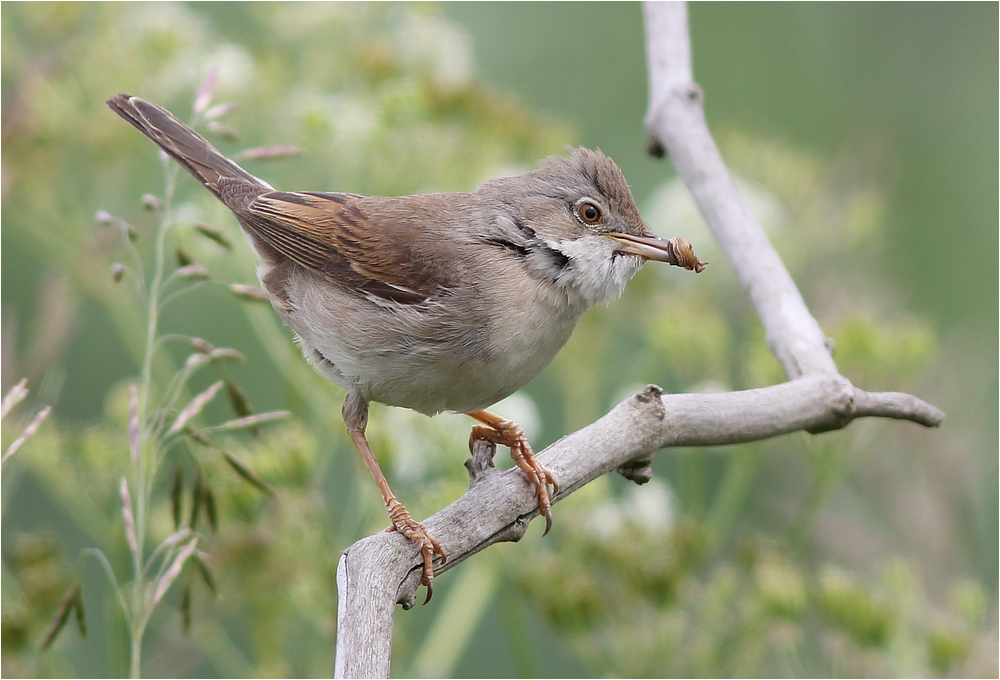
{"x":435,"y":302}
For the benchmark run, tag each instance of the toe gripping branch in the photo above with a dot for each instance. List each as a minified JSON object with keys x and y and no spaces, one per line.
{"x":502,"y":431}
{"x":404,"y":523}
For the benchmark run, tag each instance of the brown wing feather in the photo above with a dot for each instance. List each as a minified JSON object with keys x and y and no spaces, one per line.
{"x":333,"y":235}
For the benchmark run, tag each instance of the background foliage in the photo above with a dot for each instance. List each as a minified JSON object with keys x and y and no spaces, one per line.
{"x":865,"y":139}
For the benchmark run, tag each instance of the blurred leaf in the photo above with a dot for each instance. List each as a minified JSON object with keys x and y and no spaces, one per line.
{"x":238,"y":399}
{"x":210,"y":509}
{"x":206,"y":573}
{"x":186,"y":608}
{"x":197,"y":497}
{"x":948,"y":647}
{"x":199,"y":436}
{"x":244,"y":471}
{"x":854,"y":609}
{"x":176,"y":491}
{"x":62,"y":615}
{"x":81,"y":617}
{"x":183,"y":259}
{"x":213,"y":234}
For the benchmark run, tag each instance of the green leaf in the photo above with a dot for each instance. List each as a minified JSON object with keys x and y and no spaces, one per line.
{"x":62,"y":615}
{"x":238,"y":399}
{"x":214,"y":234}
{"x":176,"y":489}
{"x":206,"y":573}
{"x":246,"y":473}
{"x":186,"y":608}
{"x":210,"y":510}
{"x":197,"y":496}
{"x":81,"y":617}
{"x":199,"y":436}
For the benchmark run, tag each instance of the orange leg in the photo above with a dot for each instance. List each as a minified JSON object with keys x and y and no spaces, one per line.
{"x":502,"y":431}
{"x":356,"y":419}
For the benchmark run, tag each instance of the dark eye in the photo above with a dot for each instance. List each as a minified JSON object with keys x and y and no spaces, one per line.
{"x":589,"y":213}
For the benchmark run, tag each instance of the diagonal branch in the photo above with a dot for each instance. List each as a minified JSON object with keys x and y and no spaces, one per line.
{"x":382,"y":570}
{"x":676,"y":121}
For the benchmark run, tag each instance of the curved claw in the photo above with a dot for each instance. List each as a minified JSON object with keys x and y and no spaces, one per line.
{"x":427,"y":577}
{"x":404,"y":523}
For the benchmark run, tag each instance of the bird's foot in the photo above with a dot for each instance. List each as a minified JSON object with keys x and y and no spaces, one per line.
{"x":502,"y":431}
{"x":404,"y":523}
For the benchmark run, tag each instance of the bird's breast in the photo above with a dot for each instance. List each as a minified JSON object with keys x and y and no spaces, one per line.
{"x":461,"y":351}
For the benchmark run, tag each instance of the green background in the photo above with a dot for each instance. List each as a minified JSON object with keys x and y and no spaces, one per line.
{"x":829,"y":111}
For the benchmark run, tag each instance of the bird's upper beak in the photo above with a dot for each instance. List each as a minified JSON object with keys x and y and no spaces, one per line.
{"x":648,"y":245}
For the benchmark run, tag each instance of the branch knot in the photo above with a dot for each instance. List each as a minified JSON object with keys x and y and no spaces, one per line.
{"x":841,"y":405}
{"x":639,"y":470}
{"x":692,"y":93}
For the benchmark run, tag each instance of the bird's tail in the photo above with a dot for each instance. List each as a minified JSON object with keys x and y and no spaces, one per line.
{"x":180,"y":142}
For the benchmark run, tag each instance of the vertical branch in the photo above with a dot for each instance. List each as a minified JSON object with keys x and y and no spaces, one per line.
{"x":365,"y":606}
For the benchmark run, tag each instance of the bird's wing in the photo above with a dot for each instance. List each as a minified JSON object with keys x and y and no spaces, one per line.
{"x":354,"y":243}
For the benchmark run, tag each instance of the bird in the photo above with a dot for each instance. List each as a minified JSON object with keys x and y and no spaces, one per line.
{"x":433,"y":302}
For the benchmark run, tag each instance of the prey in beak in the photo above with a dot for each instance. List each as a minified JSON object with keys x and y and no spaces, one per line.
{"x":675,"y":251}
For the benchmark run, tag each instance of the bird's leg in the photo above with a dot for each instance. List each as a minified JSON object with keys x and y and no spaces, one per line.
{"x":356,"y":418}
{"x":502,"y":431}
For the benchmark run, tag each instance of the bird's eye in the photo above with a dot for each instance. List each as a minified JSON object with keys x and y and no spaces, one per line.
{"x":589,"y":213}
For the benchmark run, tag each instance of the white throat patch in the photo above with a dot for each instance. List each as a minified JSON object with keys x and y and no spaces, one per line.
{"x":596,"y":271}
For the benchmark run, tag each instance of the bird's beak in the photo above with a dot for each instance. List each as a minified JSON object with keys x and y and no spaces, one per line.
{"x":648,"y":245}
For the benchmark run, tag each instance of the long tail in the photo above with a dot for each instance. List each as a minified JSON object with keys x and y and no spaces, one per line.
{"x":184,"y":145}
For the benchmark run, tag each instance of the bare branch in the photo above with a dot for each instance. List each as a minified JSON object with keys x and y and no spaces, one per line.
{"x":899,"y":406}
{"x":676,"y":120}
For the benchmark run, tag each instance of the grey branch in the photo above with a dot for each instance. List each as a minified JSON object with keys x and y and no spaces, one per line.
{"x":676,"y":120}
{"x":380,"y":571}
